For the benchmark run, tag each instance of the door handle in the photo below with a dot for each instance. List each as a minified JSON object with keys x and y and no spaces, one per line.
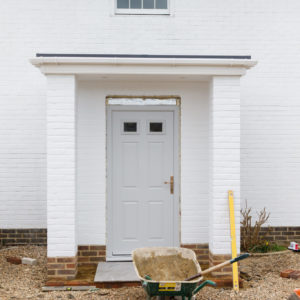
{"x":171,"y":183}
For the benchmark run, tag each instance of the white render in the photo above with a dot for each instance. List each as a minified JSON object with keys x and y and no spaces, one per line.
{"x":270,"y":123}
{"x":194,"y":152}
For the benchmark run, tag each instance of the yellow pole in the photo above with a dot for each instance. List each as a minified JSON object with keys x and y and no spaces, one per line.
{"x":235,"y":273}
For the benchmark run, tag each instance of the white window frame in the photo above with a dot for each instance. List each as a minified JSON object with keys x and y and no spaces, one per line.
{"x":142,"y":11}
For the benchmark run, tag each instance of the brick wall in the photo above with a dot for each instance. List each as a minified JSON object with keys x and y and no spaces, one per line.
{"x":32,"y":236}
{"x":280,"y":235}
{"x":224,"y":160}
{"x":218,"y":259}
{"x":201,"y":251}
{"x":61,"y":165}
{"x":91,"y":254}
{"x":62,"y":267}
{"x":94,"y":253}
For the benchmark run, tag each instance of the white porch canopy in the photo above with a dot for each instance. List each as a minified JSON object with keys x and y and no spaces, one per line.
{"x":224,"y":147}
{"x":148,"y":65}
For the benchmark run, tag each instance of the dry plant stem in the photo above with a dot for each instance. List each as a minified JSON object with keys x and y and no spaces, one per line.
{"x":250,"y":234}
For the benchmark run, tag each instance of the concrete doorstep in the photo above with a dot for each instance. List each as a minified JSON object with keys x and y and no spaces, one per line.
{"x":116,"y":272}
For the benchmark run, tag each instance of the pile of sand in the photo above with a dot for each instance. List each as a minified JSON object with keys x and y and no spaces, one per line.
{"x":166,"y":268}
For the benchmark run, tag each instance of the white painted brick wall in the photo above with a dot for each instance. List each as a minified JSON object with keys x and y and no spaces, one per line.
{"x":224,"y":162}
{"x":61,"y":165}
{"x":270,"y":123}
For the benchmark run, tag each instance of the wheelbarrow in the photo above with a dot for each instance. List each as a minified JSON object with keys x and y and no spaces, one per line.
{"x":171,"y":271}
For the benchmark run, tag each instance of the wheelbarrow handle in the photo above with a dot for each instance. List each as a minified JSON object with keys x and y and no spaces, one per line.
{"x":202,"y":285}
{"x":219,"y":266}
{"x":238,"y":258}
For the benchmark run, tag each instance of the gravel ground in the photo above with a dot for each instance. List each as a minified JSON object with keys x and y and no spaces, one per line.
{"x":19,"y":282}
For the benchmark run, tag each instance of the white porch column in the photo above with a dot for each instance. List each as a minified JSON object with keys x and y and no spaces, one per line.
{"x":61,"y":176}
{"x":224,"y":144}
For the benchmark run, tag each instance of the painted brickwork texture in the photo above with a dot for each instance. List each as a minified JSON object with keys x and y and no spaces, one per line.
{"x":61,"y":166}
{"x":270,"y":123}
{"x":224,"y":160}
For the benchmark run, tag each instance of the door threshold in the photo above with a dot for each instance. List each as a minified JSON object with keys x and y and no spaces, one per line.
{"x":119,"y":258}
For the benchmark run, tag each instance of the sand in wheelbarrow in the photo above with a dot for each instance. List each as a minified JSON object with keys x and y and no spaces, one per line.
{"x":166,"y":268}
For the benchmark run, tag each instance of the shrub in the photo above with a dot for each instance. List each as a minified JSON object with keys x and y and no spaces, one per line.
{"x":251,"y":235}
{"x":267,"y":247}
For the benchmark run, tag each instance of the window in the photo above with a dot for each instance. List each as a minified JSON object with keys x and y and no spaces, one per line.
{"x":142,"y":6}
{"x":156,"y":126}
{"x":130,"y":127}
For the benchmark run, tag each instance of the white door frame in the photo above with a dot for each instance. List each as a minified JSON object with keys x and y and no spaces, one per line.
{"x":109,"y":215}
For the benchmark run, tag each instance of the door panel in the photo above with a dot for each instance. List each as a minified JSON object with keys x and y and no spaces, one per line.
{"x":155,"y":164}
{"x":129,"y":160}
{"x":141,"y":161}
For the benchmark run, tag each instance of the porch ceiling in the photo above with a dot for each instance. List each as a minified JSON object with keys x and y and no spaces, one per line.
{"x":143,"y":65}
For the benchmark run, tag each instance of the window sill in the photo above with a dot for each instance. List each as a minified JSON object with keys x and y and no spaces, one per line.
{"x":127,"y":11}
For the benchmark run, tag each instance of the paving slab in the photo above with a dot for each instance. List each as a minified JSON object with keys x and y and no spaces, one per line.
{"x":116,"y":272}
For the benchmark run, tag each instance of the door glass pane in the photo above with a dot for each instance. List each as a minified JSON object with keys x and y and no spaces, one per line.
{"x":156,"y":127}
{"x":123,"y":4}
{"x":148,"y":4}
{"x":135,"y":3}
{"x":130,"y":127}
{"x":161,"y":4}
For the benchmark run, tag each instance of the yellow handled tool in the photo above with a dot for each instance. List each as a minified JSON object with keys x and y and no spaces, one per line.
{"x":235,"y":273}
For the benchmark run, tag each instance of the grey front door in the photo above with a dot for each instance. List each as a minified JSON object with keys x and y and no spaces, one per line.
{"x":141,"y":168}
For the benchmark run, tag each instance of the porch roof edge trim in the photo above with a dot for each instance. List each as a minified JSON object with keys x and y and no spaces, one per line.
{"x":142,"y":65}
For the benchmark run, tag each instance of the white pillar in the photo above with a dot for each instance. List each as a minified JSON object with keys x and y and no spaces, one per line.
{"x":61,"y":165}
{"x":224,"y":150}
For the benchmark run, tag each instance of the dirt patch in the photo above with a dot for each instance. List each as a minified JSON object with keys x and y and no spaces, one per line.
{"x":166,"y":267}
{"x":23,"y":282}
